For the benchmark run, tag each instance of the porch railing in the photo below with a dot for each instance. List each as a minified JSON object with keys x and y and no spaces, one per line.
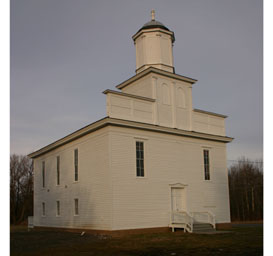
{"x":204,"y":217}
{"x":183,"y":217}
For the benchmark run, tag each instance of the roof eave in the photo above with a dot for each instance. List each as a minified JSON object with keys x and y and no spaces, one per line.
{"x":129,"y":124}
{"x":209,"y":113}
{"x":128,"y":95}
{"x":156,"y":71}
{"x":147,"y":30}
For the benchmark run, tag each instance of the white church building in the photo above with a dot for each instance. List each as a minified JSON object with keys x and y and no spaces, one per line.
{"x":153,"y":162}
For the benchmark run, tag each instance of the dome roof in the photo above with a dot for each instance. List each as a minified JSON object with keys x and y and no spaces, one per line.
{"x":154,"y":24}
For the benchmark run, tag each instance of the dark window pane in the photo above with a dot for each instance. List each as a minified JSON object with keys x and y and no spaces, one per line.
{"x":76,"y":163}
{"x":58,"y":170}
{"x":206,"y":164}
{"x":139,"y":158}
{"x":76,"y":201}
{"x":76,"y":156}
{"x":43,"y":174}
{"x":142,"y":172}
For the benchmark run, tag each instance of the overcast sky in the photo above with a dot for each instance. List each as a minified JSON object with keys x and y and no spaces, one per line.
{"x":64,"y":53}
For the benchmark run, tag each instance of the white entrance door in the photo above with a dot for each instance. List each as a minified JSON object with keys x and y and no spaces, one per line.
{"x":178,"y":204}
{"x":178,"y":200}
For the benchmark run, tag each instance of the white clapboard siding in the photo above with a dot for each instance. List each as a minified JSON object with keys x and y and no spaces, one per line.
{"x":207,"y":123}
{"x":92,"y":189}
{"x":145,"y":202}
{"x":121,"y":106}
{"x":173,"y":101}
{"x":142,"y":87}
{"x":110,"y":195}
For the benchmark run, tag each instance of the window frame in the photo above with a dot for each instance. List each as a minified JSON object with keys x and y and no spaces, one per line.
{"x":58,"y":208}
{"x":140,"y":158}
{"x":76,"y":207}
{"x":43,"y":209}
{"x":206,"y":164}
{"x":43,"y":174}
{"x":58,"y":173}
{"x":76,"y":165}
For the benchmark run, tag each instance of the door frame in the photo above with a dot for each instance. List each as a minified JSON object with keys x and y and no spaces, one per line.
{"x":181,"y":186}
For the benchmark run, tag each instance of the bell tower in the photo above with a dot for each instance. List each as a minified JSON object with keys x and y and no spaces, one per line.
{"x":154,"y":46}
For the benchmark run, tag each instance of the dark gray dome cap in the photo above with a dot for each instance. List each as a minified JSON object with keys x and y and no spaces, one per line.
{"x":154,"y":24}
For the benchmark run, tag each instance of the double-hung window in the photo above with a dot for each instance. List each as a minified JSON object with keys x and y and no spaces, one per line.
{"x":206,"y":164}
{"x":43,"y":174}
{"x":58,"y":170}
{"x":43,"y":209}
{"x":76,"y":165}
{"x":58,"y":208}
{"x":76,"y":206}
{"x":139,"y":159}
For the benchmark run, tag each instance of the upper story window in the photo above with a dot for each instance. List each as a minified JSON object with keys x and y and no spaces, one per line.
{"x":58,"y":209}
{"x":206,"y":164}
{"x":76,"y":206}
{"x":43,"y":208}
{"x":76,"y":165}
{"x":139,"y":159}
{"x":58,"y":170}
{"x":43,"y":174}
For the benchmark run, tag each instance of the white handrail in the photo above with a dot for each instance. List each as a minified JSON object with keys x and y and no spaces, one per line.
{"x":204,"y":217}
{"x":188,"y":218}
{"x":211,"y":218}
{"x":183,"y":217}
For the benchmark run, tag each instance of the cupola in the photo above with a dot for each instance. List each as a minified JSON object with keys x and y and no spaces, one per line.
{"x":154,"y":46}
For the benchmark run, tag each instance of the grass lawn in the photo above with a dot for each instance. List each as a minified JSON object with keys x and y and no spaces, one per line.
{"x":241,"y":241}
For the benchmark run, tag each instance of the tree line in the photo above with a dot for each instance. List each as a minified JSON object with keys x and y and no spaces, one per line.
{"x":21,"y":188}
{"x":245,"y":189}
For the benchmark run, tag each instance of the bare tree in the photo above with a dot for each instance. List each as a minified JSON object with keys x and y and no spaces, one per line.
{"x":21,"y":188}
{"x":246,"y":190}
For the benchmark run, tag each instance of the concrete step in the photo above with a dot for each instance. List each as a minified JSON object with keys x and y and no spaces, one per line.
{"x":203,"y":227}
{"x":201,"y":224}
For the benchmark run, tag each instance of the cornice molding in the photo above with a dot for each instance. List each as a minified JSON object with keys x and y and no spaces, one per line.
{"x":209,"y":113}
{"x":107,"y":121}
{"x":128,"y":95}
{"x":155,"y":71}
